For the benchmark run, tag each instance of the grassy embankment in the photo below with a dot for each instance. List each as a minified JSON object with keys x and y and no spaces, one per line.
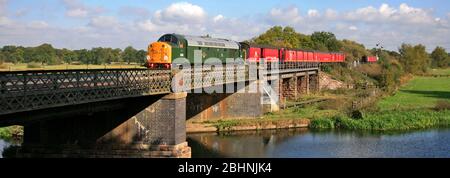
{"x":423,"y":103}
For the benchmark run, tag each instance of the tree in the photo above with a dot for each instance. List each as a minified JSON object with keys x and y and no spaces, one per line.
{"x":415,"y":59}
{"x":28,"y":55}
{"x":439,"y":57}
{"x":13,"y":54}
{"x":390,"y":73}
{"x":99,"y":56}
{"x":129,"y":54}
{"x":325,"y":41}
{"x":353,"y":50}
{"x":45,"y":53}
{"x":141,"y":56}
{"x":85,"y":56}
{"x":2,"y":58}
{"x":68,"y":56}
{"x":279,"y":37}
{"x":116,"y":55}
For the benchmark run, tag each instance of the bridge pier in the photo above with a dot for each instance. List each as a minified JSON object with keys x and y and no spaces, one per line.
{"x":145,"y":128}
{"x":292,"y":86}
{"x":242,"y":103}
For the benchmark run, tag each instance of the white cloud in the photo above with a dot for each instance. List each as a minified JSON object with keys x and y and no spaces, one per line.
{"x":285,"y":16}
{"x":4,"y":21}
{"x":104,"y":22}
{"x":38,"y":24}
{"x":3,"y":4}
{"x":77,"y":12}
{"x":218,"y":18}
{"x":135,"y":12}
{"x":147,"y":25}
{"x":331,"y":14}
{"x":386,"y":11}
{"x":313,"y":13}
{"x":181,"y":13}
{"x":76,"y":9}
{"x":353,"y":28}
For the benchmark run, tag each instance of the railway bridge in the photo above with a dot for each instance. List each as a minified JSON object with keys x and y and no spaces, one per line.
{"x":138,"y":112}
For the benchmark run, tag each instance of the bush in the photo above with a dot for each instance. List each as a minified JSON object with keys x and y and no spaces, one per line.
{"x":356,"y":114}
{"x":442,"y":105}
{"x":322,"y":123}
{"x":326,"y":68}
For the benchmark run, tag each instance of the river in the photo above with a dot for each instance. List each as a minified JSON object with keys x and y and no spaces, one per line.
{"x":304,"y":143}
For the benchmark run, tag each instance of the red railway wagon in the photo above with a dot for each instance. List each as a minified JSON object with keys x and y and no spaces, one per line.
{"x":290,"y":55}
{"x":254,"y":54}
{"x":372,"y":59}
{"x":310,"y":56}
{"x":270,"y":54}
{"x":300,"y":56}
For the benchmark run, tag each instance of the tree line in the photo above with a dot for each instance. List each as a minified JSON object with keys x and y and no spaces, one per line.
{"x":47,"y":54}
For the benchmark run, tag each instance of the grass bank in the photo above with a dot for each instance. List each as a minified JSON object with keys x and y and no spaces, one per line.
{"x":422,"y":103}
{"x":398,"y":120}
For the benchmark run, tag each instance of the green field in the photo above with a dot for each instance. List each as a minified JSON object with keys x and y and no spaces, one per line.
{"x":421,"y":92}
{"x":24,"y":67}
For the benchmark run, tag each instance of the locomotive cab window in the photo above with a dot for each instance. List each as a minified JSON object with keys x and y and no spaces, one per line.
{"x":169,"y":39}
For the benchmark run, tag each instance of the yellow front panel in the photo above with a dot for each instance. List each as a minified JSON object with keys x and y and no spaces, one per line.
{"x":160,"y":52}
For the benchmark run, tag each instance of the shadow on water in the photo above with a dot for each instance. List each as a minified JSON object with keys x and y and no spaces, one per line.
{"x":202,"y":151}
{"x":238,"y":143}
{"x":432,"y":94}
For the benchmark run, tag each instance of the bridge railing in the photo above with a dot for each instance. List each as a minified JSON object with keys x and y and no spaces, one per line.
{"x":31,"y":90}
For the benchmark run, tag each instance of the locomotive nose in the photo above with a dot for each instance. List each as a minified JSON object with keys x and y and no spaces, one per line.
{"x":159,"y":55}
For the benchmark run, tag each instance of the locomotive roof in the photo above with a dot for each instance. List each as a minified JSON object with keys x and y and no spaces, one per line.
{"x":203,"y":41}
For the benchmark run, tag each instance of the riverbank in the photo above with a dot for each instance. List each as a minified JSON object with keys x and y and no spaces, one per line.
{"x":246,"y":124}
{"x":424,"y":102}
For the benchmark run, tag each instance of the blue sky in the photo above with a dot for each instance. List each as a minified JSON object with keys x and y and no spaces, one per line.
{"x":118,"y":23}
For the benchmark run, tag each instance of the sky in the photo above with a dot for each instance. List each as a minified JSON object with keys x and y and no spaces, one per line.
{"x":77,"y":24}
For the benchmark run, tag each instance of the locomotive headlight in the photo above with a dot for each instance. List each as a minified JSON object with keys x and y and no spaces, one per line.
{"x":166,"y":58}
{"x":148,"y":57}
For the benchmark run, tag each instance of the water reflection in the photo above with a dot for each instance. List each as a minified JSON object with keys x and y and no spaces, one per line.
{"x":3,"y":145}
{"x":305,"y":143}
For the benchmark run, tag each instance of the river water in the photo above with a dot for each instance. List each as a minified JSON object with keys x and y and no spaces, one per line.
{"x":304,"y":143}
